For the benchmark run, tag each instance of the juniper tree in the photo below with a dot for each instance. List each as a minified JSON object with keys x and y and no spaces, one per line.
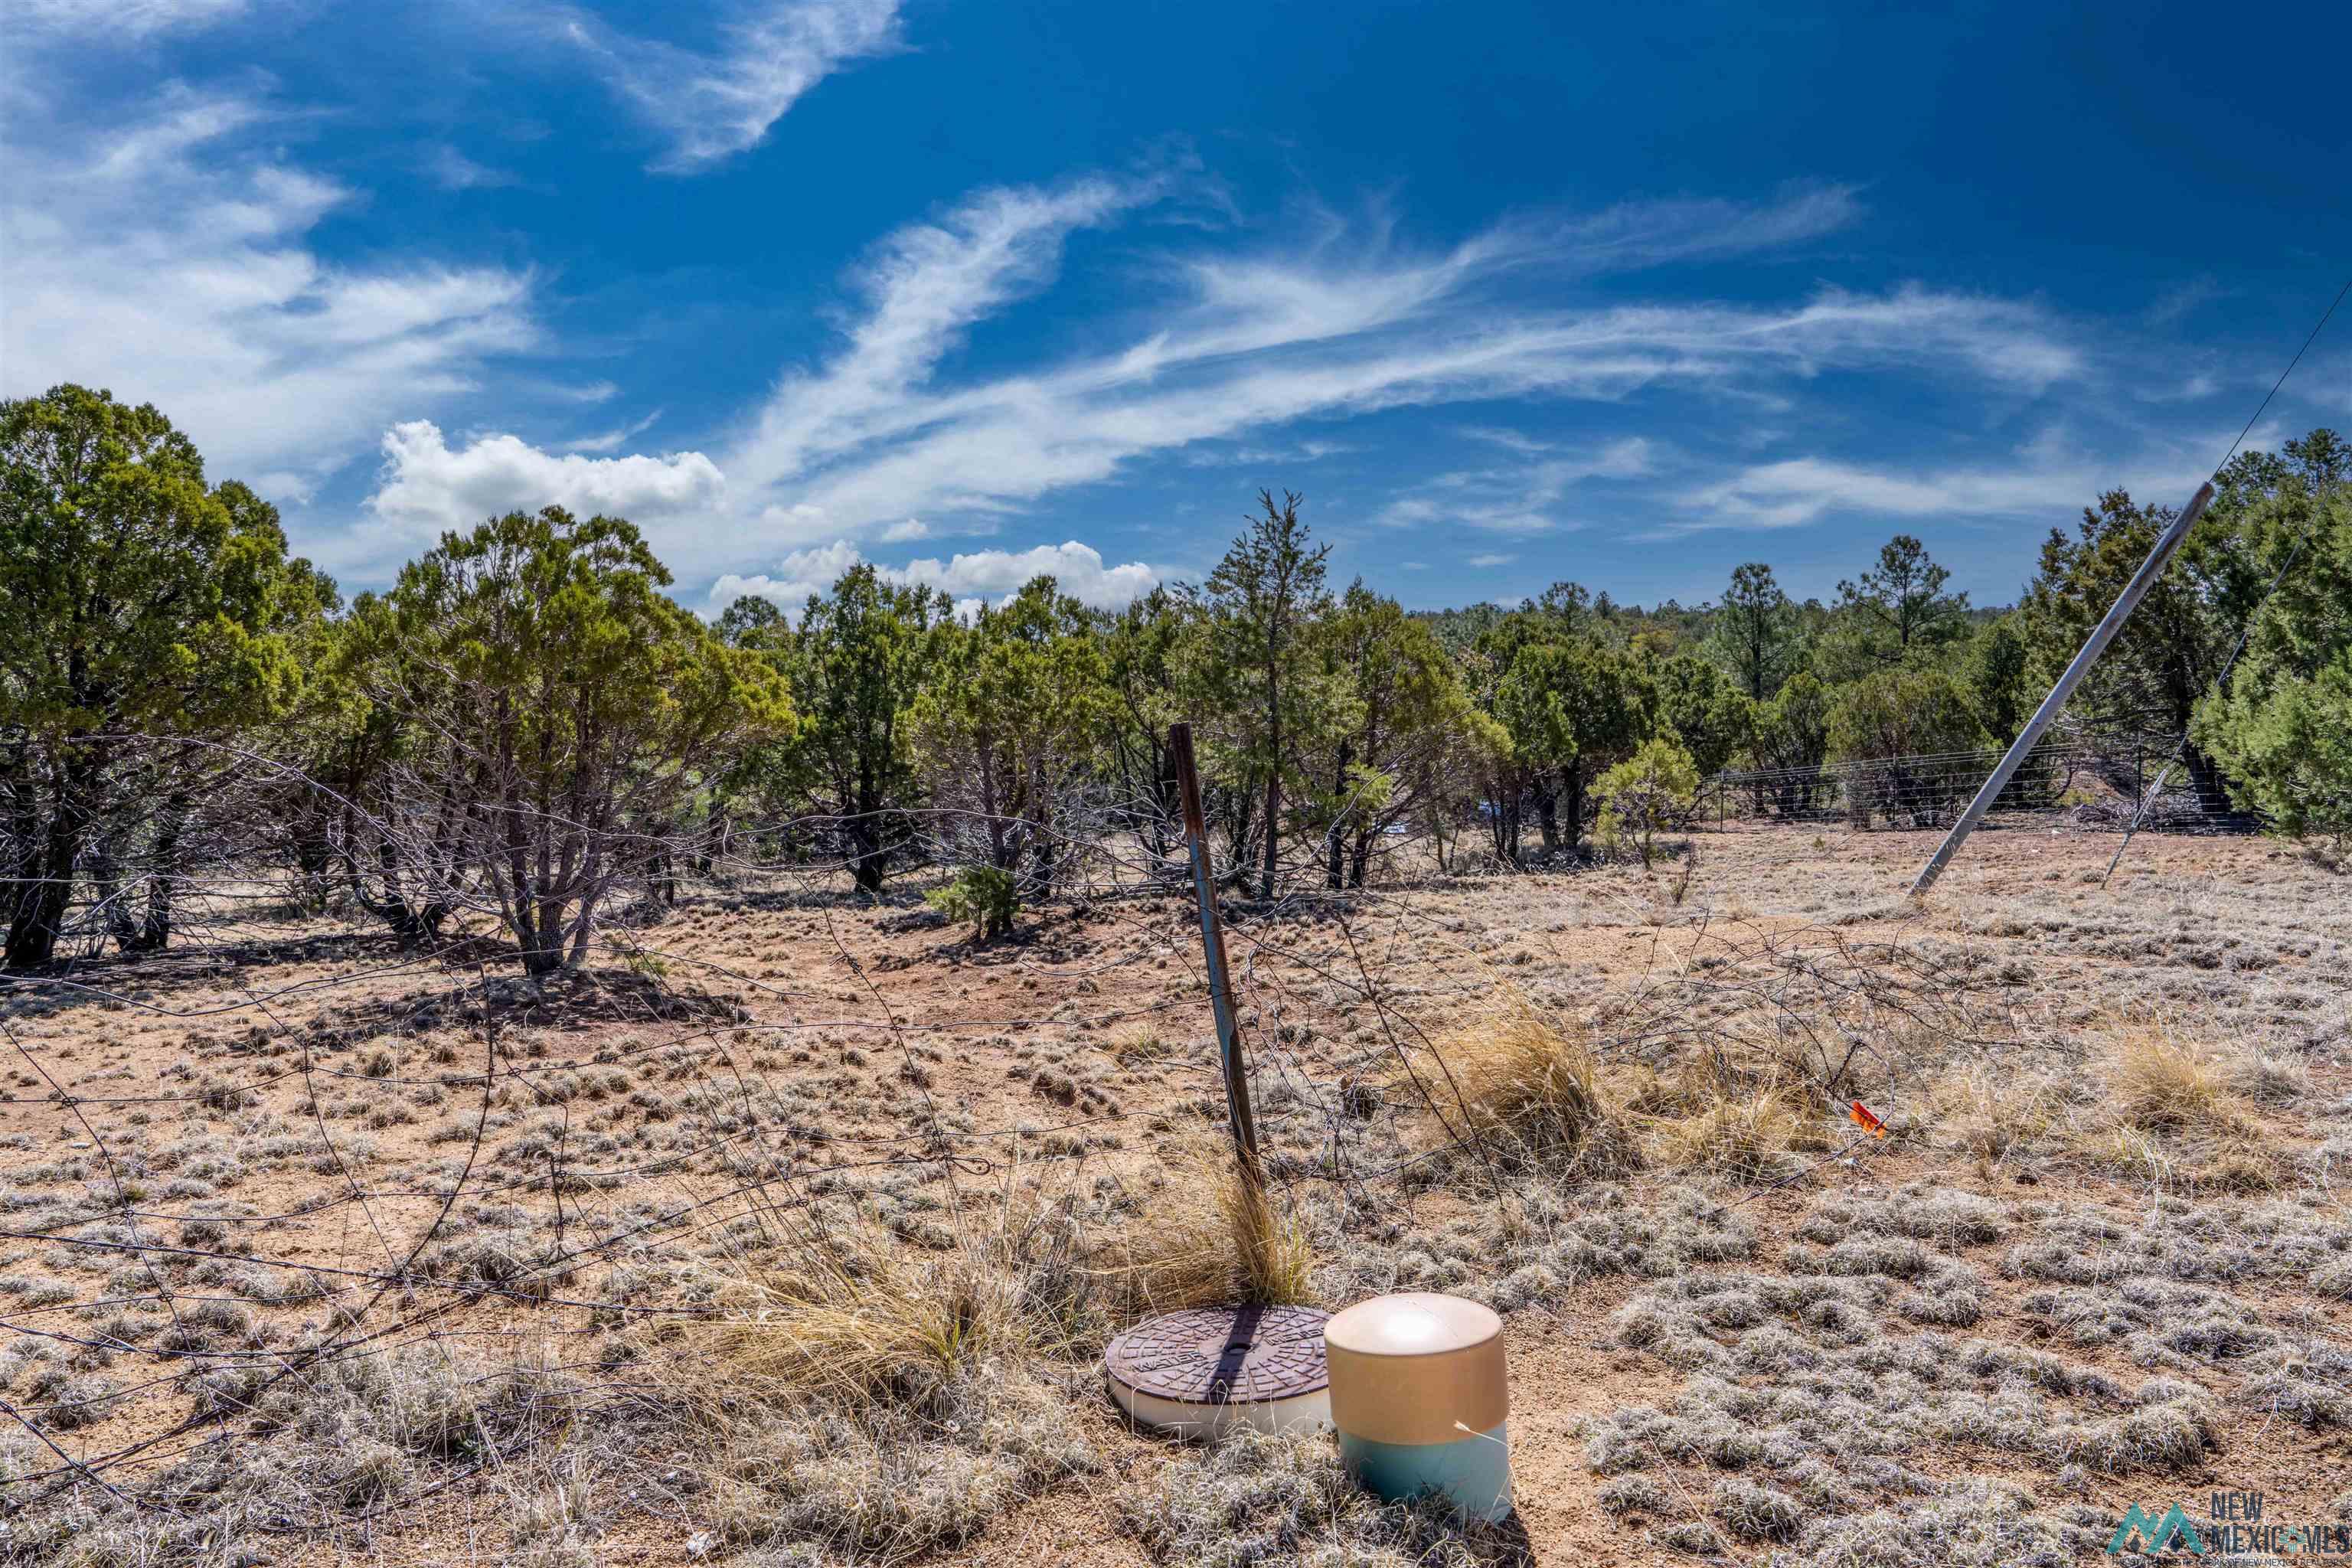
{"x":1006,"y":724}
{"x":1253,"y":659}
{"x":549,"y":678}
{"x":1394,"y":745}
{"x":136,"y":605}
{"x":862,"y":653}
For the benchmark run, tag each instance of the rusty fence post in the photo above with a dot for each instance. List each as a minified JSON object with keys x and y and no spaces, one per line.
{"x":1213,"y":945}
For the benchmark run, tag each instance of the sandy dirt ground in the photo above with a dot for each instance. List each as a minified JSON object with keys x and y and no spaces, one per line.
{"x":211,"y":1160}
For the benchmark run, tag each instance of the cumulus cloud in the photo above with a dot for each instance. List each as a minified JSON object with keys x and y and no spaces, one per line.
{"x":712,"y":105}
{"x":800,"y":576}
{"x":967,"y":578}
{"x":168,"y":259}
{"x":1078,"y":568}
{"x":428,"y":486}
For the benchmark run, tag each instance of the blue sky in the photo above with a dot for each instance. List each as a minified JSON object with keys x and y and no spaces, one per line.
{"x":1512,"y":293}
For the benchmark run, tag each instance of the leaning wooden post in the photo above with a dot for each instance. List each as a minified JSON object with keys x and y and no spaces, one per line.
{"x":2105,"y":633}
{"x":1213,"y":945}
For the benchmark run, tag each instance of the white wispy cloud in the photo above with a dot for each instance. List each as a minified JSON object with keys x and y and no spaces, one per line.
{"x":1263,"y":454}
{"x":925,"y":286}
{"x":427,"y":485}
{"x":1509,"y":439}
{"x":168,"y":259}
{"x":967,"y":578}
{"x":2048,"y":478}
{"x":1343,"y":323}
{"x":1521,"y":497}
{"x":100,"y":20}
{"x":1800,"y":489}
{"x":710,"y":105}
{"x":452,"y":170}
{"x":608,"y":440}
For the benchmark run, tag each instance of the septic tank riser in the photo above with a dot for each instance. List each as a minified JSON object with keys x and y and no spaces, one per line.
{"x":1205,"y":1371}
{"x":1210,"y":1423}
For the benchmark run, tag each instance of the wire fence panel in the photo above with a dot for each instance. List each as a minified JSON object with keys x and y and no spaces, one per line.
{"x":2069,"y":781}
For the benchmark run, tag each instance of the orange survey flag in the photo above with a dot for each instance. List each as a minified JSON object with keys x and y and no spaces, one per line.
{"x":1862,"y":1118}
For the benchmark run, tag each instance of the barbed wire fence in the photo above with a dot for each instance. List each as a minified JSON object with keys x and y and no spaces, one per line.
{"x":181,"y":1310}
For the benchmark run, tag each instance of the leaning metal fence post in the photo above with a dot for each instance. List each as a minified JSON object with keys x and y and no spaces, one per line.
{"x":1212,"y":944}
{"x":2103,"y":634}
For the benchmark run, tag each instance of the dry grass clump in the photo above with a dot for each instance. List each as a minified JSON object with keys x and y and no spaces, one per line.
{"x":1142,"y":1044}
{"x":1741,"y":1137}
{"x":350,"y":1434}
{"x":2156,"y":1084}
{"x":843,"y":1310}
{"x":1211,"y":1236}
{"x":1993,"y":1112}
{"x":850,"y":1314}
{"x":1972,"y":1523}
{"x":890,"y":1480}
{"x":1756,"y":1513}
{"x":859,"y":1398}
{"x":1530,"y":1092}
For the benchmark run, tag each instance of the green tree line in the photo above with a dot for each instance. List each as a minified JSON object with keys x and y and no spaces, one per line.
{"x":526,"y":724}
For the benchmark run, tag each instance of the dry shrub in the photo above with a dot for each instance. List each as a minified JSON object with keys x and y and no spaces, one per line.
{"x":1212,"y":1237}
{"x":1531,"y":1094}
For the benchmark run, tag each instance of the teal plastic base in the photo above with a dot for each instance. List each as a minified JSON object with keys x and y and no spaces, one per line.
{"x":1474,"y":1474}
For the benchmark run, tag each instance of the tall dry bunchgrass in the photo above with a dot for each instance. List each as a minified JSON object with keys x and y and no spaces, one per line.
{"x":2157,"y":1083}
{"x":1994,"y":1113}
{"x":1530,"y":1093}
{"x":1742,"y":1135}
{"x":855,"y":1397}
{"x":1213,"y":1235}
{"x":845,"y":1308}
{"x":851,"y":1314}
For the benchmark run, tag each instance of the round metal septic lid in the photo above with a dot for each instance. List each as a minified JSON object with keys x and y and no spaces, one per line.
{"x":1223,"y":1355}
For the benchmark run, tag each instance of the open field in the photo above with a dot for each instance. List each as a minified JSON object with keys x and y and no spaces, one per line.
{"x":793,"y":1234}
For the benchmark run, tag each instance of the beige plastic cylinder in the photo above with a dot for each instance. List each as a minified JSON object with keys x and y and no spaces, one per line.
{"x":1416,"y":1368}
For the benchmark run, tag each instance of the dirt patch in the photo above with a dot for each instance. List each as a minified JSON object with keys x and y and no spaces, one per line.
{"x":231,"y":1175}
